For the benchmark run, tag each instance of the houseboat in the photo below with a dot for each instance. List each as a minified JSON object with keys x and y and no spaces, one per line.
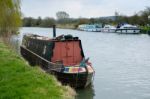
{"x":61,"y":56}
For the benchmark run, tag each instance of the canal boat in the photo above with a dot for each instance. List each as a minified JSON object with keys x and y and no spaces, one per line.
{"x":61,"y":56}
{"x":128,"y":29}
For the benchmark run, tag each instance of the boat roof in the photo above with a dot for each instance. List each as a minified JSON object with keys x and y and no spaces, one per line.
{"x":109,"y":26}
{"x":68,"y":37}
{"x":129,"y":25}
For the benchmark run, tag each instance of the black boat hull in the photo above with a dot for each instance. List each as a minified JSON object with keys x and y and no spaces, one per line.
{"x":75,"y":80}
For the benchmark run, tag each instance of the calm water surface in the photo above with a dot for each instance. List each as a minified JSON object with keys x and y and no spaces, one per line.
{"x":121,"y":62}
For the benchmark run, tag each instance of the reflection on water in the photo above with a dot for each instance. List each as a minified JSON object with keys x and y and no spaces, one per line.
{"x":121,"y":63}
{"x":88,"y":94}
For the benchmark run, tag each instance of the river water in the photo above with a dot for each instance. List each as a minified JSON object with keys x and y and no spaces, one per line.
{"x":121,"y":63}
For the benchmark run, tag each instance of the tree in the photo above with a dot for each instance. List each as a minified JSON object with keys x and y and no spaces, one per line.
{"x":116,"y":17}
{"x":39,"y":21}
{"x":10,"y":17}
{"x":62,"y":15}
{"x":29,"y":22}
{"x":83,"y":21}
{"x":145,"y":14}
{"x":48,"y":22}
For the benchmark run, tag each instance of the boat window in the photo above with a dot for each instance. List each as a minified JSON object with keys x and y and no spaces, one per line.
{"x":98,"y":26}
{"x":44,"y":50}
{"x":28,"y":43}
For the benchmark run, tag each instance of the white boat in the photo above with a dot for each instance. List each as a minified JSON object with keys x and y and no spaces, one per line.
{"x":90,"y":27}
{"x":128,"y":29}
{"x":109,"y":29}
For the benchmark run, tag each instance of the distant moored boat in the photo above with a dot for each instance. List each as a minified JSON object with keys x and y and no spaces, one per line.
{"x":90,"y":27}
{"x":128,"y":29}
{"x":109,"y":29}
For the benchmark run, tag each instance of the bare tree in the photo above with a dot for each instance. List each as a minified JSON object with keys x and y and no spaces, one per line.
{"x":62,"y":15}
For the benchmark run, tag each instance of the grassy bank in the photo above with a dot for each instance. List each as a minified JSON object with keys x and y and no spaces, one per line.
{"x":145,"y":29}
{"x":19,"y":80}
{"x":66,"y":26}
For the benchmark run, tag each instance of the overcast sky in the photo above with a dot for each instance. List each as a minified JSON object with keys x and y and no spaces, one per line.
{"x":82,"y":8}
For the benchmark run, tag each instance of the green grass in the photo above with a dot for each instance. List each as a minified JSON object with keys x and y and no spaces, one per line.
{"x":145,"y":29}
{"x":18,"y":80}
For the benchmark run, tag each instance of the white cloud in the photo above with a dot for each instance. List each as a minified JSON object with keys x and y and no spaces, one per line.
{"x":84,"y":8}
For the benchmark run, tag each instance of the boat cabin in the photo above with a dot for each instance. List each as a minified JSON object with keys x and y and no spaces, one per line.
{"x":66,"y":49}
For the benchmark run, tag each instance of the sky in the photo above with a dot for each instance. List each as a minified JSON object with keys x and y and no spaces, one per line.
{"x":82,"y":8}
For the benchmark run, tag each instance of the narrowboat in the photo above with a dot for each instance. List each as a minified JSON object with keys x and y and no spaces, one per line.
{"x":61,"y":56}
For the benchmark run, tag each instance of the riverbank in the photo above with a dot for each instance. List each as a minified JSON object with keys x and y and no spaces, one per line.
{"x":19,"y":80}
{"x":145,"y":29}
{"x":67,"y":26}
